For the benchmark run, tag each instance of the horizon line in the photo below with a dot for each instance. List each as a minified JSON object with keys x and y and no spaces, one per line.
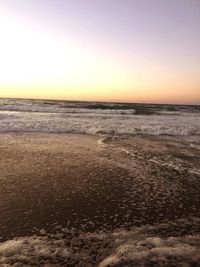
{"x":101,"y":101}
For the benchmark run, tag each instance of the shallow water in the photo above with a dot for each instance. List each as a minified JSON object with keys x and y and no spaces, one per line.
{"x":94,"y":199}
{"x":68,"y":186}
{"x":53,"y":180}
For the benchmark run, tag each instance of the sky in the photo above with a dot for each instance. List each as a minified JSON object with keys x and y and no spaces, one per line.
{"x":103,"y":50}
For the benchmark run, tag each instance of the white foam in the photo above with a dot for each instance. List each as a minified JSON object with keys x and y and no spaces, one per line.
{"x":99,"y":124}
{"x":30,"y":250}
{"x":70,"y":117}
{"x":154,"y":250}
{"x":138,"y":247}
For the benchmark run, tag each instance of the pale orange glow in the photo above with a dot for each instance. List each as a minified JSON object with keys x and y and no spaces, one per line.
{"x":153,"y":95}
{"x":35,"y":64}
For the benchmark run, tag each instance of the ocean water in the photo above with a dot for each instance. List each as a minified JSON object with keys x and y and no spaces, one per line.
{"x":131,"y":201}
{"x":98,"y":118}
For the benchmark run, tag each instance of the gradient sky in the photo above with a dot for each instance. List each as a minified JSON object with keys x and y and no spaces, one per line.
{"x":113,"y":50}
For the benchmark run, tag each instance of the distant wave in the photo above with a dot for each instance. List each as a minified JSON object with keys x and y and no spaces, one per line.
{"x":94,"y":107}
{"x":95,"y":118}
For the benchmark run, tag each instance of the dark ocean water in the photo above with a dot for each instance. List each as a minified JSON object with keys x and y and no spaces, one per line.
{"x":98,"y":118}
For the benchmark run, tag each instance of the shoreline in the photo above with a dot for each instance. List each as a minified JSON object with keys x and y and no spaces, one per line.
{"x":63,"y":185}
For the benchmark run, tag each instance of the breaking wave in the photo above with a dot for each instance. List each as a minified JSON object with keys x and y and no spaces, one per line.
{"x":98,"y":118}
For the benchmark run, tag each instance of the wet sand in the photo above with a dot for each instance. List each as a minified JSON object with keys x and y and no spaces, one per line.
{"x":90,"y":184}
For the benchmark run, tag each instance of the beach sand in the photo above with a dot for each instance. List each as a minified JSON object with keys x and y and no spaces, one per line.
{"x":91,"y":184}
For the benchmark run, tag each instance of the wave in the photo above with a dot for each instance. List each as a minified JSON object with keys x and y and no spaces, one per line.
{"x":98,"y":118}
{"x":35,"y":105}
{"x":99,"y":124}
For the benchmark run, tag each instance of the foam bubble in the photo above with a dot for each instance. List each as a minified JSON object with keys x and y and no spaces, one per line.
{"x":143,"y":246}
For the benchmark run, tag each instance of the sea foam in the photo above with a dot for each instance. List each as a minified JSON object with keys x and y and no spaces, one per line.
{"x":70,"y":117}
{"x":143,"y":246}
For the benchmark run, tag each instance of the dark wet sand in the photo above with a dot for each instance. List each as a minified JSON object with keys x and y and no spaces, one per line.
{"x":73,"y":181}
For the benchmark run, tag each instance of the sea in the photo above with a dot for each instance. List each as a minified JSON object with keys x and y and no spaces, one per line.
{"x":146,"y":191}
{"x":28,"y":115}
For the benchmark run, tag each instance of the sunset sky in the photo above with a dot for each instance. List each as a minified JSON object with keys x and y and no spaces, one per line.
{"x":105,"y":50}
